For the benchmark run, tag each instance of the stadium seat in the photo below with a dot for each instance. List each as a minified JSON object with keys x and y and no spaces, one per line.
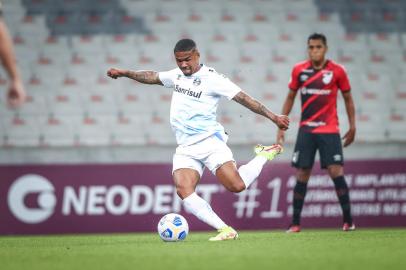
{"x":384,"y":41}
{"x":371,"y":126}
{"x":128,"y":130}
{"x":134,"y":100}
{"x":58,"y":131}
{"x":21,"y":131}
{"x":397,"y":126}
{"x":94,"y":130}
{"x":84,"y":44}
{"x":158,"y":130}
{"x":237,"y":135}
{"x":65,"y":47}
{"x":65,"y":103}
{"x":353,"y":42}
{"x":98,"y":102}
{"x":36,"y":104}
{"x":262,"y":130}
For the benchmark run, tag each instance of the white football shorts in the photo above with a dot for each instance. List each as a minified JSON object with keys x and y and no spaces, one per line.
{"x":211,"y":152}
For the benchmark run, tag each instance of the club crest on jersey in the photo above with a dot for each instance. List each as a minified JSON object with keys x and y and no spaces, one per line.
{"x":303,"y":77}
{"x":327,"y":77}
{"x":178,"y":78}
{"x":197,"y":82}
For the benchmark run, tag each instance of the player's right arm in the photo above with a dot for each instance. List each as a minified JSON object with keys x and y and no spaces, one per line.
{"x":289,"y":101}
{"x":286,"y":109}
{"x":142,"y":76}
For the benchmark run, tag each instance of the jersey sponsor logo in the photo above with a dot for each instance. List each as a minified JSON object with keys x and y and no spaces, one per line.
{"x":315,"y":124}
{"x":327,"y":77}
{"x":187,"y":92}
{"x":311,"y":91}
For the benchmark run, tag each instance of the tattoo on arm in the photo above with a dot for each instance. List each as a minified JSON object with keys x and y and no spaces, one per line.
{"x":254,"y":105}
{"x":144,"y":76}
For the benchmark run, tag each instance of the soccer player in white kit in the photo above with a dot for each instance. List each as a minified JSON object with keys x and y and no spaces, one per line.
{"x":201,"y":140}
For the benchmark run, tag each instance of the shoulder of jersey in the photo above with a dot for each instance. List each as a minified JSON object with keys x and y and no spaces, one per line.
{"x":212,"y":72}
{"x":175,"y":72}
{"x":301,"y":64}
{"x":337,"y":65}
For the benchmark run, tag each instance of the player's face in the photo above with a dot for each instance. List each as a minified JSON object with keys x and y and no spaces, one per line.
{"x":317,"y":50}
{"x":188,"y":61}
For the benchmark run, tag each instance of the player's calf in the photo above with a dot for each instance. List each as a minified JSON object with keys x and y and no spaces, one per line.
{"x":229,"y":177}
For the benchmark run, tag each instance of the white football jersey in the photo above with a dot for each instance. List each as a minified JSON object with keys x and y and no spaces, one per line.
{"x":194,"y":103}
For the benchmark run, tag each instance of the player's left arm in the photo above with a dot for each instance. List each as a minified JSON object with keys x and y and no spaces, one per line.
{"x":344,"y":84}
{"x":282,"y":121}
{"x":350,"y":108}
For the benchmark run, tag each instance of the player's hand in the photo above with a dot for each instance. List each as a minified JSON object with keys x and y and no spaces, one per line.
{"x":349,"y":137}
{"x":115,"y":73}
{"x":282,"y":121}
{"x":16,"y":94}
{"x":280,"y":137}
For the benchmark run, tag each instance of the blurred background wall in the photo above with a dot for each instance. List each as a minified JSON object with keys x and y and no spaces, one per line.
{"x":75,"y":114}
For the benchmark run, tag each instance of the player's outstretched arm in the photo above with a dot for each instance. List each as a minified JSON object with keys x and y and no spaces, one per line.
{"x":282,"y":121}
{"x":16,"y":94}
{"x":350,"y":108}
{"x":286,"y":109}
{"x":142,"y":76}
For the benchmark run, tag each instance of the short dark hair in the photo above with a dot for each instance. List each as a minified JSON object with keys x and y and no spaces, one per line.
{"x":318,"y":36}
{"x":184,"y":45}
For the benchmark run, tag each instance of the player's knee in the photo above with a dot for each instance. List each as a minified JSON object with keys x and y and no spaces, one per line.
{"x":303,"y":175}
{"x":335,"y":171}
{"x":237,"y":187}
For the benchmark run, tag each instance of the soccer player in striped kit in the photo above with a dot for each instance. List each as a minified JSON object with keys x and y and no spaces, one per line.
{"x":318,"y":81}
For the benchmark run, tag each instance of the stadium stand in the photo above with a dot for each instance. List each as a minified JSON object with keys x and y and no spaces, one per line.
{"x":64,"y":48}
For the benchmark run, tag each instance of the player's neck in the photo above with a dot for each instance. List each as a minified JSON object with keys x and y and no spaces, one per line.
{"x":319,"y":64}
{"x":197,"y":69}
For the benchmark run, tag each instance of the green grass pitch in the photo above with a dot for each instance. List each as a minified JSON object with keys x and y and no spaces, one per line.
{"x":311,"y":249}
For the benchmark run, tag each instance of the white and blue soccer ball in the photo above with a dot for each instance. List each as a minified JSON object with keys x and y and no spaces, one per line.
{"x":173,"y":227}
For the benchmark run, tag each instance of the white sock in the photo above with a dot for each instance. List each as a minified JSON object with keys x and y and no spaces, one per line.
{"x":202,"y":210}
{"x":250,"y":171}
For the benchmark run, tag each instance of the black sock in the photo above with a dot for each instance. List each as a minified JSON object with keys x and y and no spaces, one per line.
{"x":299,"y":193}
{"x":343,"y":197}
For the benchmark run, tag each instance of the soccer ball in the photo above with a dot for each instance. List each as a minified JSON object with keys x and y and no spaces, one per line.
{"x":173,"y":227}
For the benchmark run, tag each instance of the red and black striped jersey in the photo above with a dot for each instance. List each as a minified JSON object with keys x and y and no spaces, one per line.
{"x":318,"y":92}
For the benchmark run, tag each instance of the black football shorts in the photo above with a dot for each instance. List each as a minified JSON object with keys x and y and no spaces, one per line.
{"x":307,"y":144}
